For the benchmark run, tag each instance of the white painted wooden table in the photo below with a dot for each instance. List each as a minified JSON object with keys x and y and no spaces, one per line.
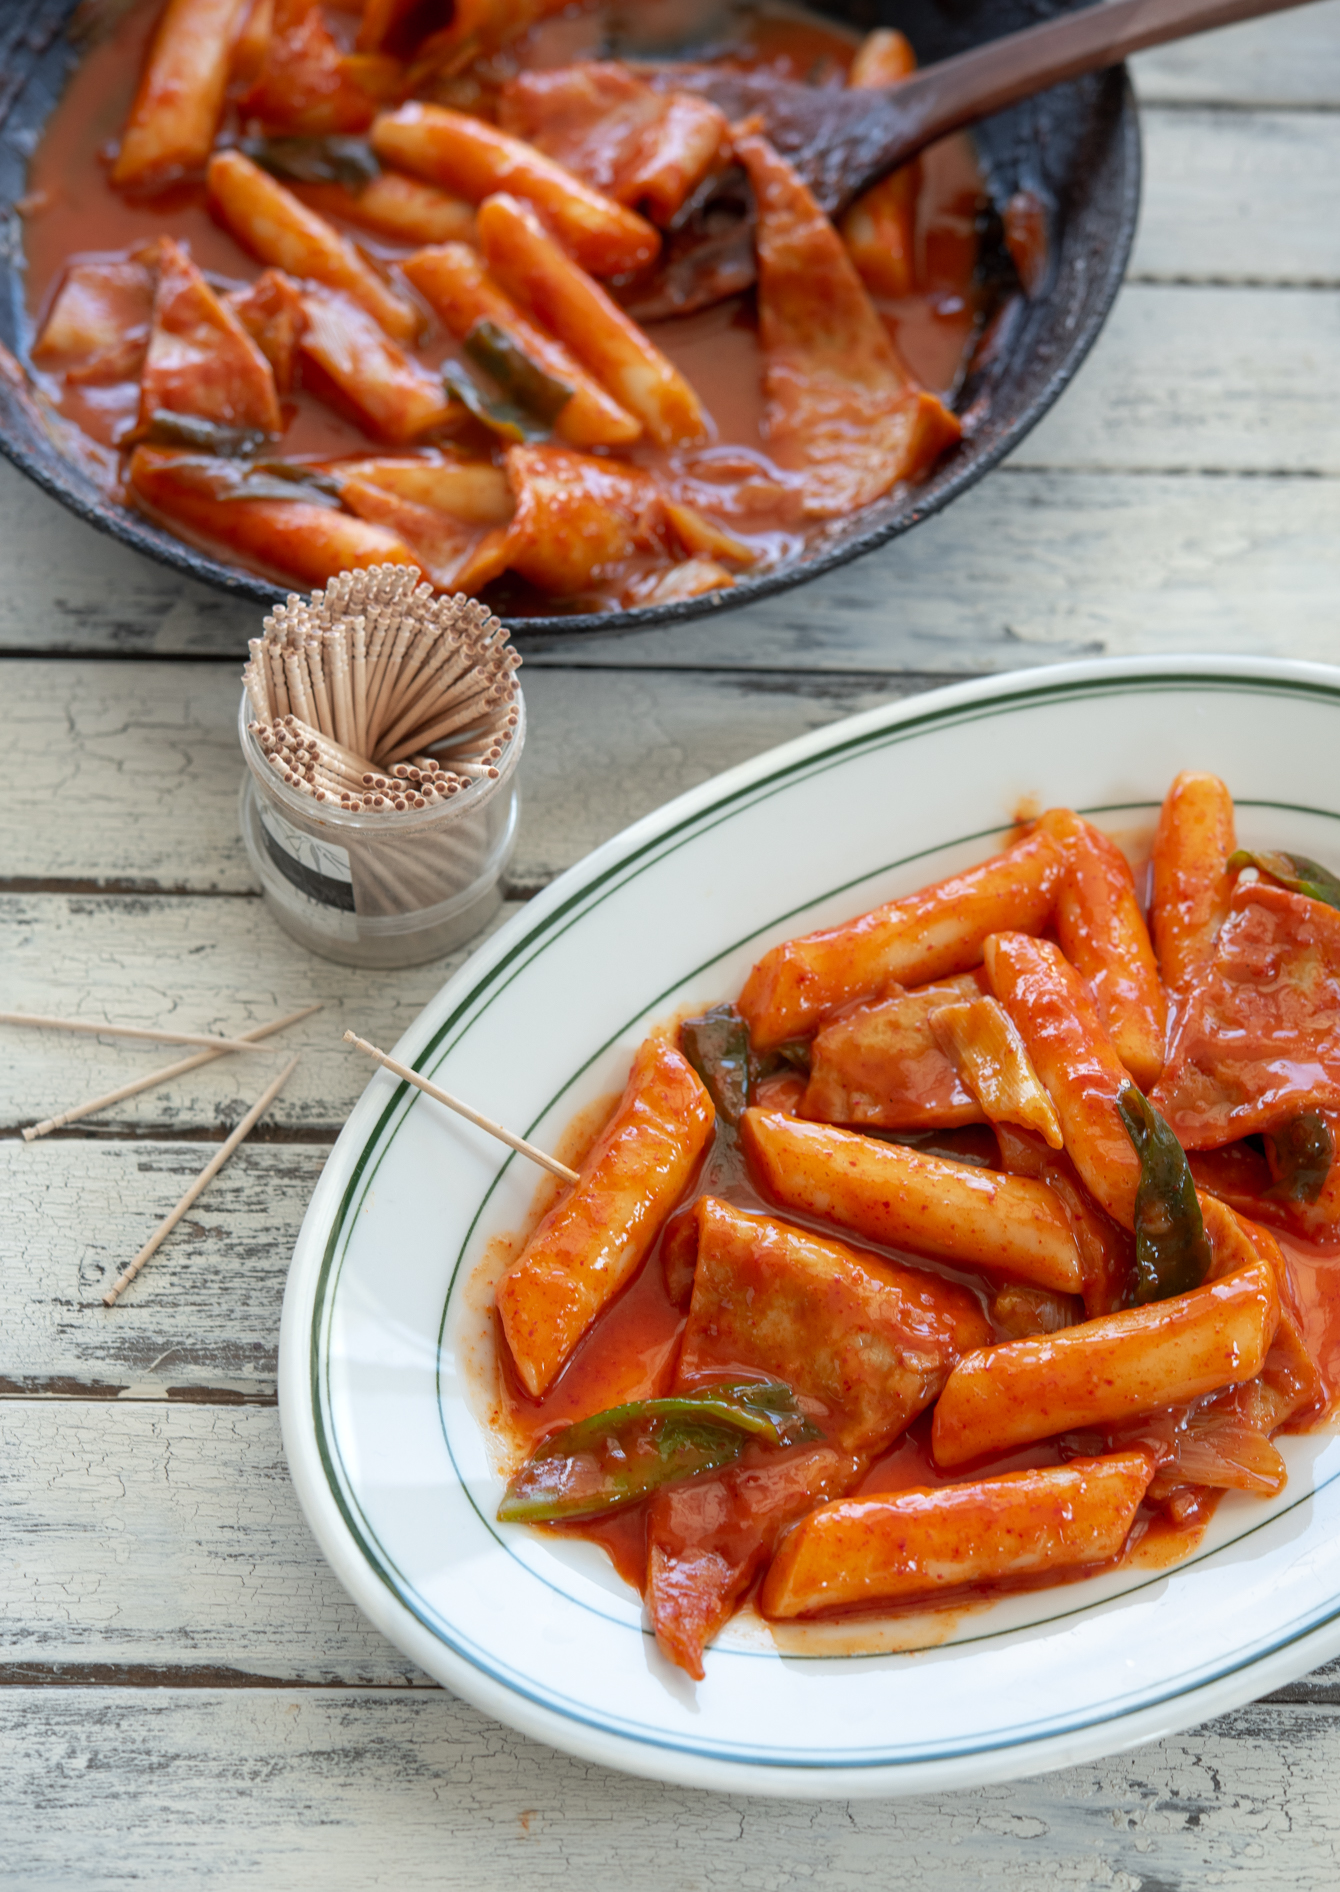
{"x":186,"y":1694}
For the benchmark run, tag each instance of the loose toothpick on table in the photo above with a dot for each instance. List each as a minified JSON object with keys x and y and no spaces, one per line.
{"x":352,"y":687}
{"x":211,"y":1169}
{"x":541,"y":1157}
{"x":163,"y":1076}
{"x":210,"y":1039}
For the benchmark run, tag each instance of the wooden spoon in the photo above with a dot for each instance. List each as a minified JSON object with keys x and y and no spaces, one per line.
{"x":842,"y":142}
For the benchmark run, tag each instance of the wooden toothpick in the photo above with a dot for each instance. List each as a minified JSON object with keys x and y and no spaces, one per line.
{"x":350,"y":682}
{"x":454,"y":1103}
{"x":154,"y":1078}
{"x":207,"y":1174}
{"x":209,"y":1039}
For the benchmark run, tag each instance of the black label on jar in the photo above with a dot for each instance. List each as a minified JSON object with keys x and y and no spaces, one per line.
{"x":317,"y":868}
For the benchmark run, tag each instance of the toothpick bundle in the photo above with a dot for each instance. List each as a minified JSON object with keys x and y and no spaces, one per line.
{"x":379,"y":696}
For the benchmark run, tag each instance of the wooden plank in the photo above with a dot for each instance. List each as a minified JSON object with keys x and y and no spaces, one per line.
{"x":147,"y":959}
{"x":124,"y":775}
{"x":1035,"y":568}
{"x":1202,"y":380}
{"x":202,"y":1321}
{"x":1026,"y":568}
{"x":127,"y":774}
{"x":169,"y":1536}
{"x":1289,"y":59}
{"x":70,"y":588}
{"x":1238,"y":198}
{"x":379,"y":1789}
{"x":1184,"y":380}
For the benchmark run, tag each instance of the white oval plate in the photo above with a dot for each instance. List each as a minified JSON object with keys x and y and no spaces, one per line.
{"x":381,"y":1344}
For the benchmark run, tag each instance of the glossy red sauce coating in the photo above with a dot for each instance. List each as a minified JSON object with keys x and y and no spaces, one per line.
{"x":631,"y":1353}
{"x":1316,"y":1277}
{"x":1258,"y":1032}
{"x":1163,"y":1533}
{"x":72,"y":212}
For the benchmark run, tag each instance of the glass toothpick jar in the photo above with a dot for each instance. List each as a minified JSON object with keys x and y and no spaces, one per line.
{"x":377,"y":888}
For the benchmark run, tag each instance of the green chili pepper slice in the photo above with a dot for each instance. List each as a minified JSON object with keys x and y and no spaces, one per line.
{"x":503,"y":418}
{"x":717,"y":1046}
{"x":335,"y":160}
{"x":522,"y":380}
{"x":1294,"y":871}
{"x":1300,"y":1154}
{"x":166,"y":429}
{"x":615,"y":1458}
{"x":1172,"y":1253}
{"x":293,"y":473}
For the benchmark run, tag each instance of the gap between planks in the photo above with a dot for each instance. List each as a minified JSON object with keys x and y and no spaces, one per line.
{"x":171,"y":1675}
{"x":1320,"y":1690}
{"x":87,"y":1130}
{"x":97,"y":1392}
{"x":366,"y":1788}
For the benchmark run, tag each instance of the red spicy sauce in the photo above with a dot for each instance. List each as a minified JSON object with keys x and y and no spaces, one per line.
{"x":73,"y":213}
{"x":1316,"y":1277}
{"x":630,"y":1353}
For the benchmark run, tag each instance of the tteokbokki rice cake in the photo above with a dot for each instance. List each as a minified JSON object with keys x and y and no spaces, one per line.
{"x":316,"y":288}
{"x":978,"y":1244}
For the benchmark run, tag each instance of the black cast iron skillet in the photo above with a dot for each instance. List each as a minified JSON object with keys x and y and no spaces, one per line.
{"x":1077,"y":146}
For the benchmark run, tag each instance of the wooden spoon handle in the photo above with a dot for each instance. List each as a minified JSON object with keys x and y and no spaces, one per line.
{"x":959,"y":91}
{"x":841,"y":142}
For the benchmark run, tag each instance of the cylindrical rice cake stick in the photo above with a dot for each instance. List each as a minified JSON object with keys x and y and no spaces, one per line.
{"x":921,"y":1542}
{"x":594,"y":1240}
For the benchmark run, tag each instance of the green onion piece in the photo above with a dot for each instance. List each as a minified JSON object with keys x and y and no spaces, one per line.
{"x":500,"y":417}
{"x":615,"y":1458}
{"x":227,"y":480}
{"x":522,"y":381}
{"x":1172,"y":1253}
{"x":765,"y":1408}
{"x":717,"y":1046}
{"x":1294,"y":871}
{"x":298,"y":474}
{"x":1300,"y":1154}
{"x":256,"y":485}
{"x":348,"y":161}
{"x":165,"y":429}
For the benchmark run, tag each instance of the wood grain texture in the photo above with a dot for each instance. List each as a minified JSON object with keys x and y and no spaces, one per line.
{"x":1027,"y":568}
{"x":127,"y":775}
{"x":150,"y":959}
{"x":1291,"y":59}
{"x":1183,"y":380}
{"x":166,"y":1536}
{"x":70,"y":588}
{"x":1033,"y":568}
{"x":1235,"y":199}
{"x":202,"y":1321}
{"x":352,"y":1790}
{"x":169,"y":1536}
{"x":1196,"y":379}
{"x":1182,"y":498}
